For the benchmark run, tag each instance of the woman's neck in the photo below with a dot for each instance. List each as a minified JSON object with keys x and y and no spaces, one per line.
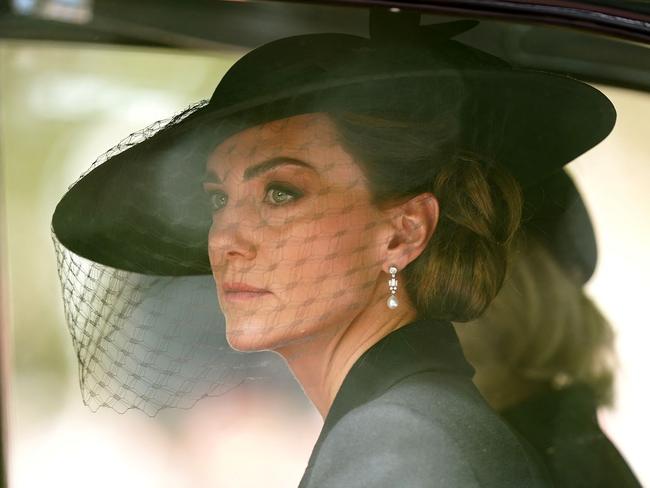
{"x":320,"y":364}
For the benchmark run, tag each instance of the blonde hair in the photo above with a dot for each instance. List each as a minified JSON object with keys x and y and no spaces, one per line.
{"x":542,"y":331}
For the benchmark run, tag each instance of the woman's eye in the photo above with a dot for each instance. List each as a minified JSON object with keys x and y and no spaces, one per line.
{"x":218,"y":200}
{"x":277,"y":195}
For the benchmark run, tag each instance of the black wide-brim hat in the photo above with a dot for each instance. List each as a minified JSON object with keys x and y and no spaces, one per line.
{"x":143,"y":209}
{"x":555,"y":214}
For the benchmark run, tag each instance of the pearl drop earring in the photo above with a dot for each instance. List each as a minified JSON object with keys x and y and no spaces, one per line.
{"x":392,"y":301}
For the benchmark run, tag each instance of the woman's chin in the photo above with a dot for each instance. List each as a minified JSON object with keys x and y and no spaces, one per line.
{"x":243,"y":343}
{"x":250,"y":336}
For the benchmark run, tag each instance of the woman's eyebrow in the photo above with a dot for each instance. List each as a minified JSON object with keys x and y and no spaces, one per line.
{"x":260,"y":168}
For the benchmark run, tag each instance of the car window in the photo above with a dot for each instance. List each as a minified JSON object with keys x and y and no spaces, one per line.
{"x":64,"y":103}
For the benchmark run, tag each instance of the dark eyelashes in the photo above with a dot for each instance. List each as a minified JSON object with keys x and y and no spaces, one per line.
{"x":283,"y":187}
{"x":218,"y":199}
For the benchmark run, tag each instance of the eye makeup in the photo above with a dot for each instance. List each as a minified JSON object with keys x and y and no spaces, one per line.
{"x":276,"y":194}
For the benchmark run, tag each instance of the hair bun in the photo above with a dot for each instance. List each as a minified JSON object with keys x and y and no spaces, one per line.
{"x":464,"y":266}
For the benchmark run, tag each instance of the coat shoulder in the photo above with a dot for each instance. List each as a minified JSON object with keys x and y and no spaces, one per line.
{"x":428,"y":430}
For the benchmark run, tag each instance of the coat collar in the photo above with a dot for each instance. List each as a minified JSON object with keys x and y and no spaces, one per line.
{"x":423,"y":345}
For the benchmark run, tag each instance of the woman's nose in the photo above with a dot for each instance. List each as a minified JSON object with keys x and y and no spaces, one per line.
{"x":234,"y":232}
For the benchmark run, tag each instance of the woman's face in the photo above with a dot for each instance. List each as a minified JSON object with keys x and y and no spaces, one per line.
{"x":295,"y":243}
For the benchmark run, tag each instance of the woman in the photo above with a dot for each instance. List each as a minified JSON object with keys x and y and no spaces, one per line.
{"x":543,"y":352}
{"x":361,"y":196}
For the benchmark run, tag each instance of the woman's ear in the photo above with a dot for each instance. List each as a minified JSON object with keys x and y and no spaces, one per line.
{"x":413,"y":222}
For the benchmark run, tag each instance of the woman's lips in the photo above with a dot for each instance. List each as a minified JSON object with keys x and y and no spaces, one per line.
{"x":242,"y":292}
{"x":239,"y":296}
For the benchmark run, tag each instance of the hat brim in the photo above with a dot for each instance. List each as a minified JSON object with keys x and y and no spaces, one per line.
{"x":555,"y":214}
{"x":143,"y":209}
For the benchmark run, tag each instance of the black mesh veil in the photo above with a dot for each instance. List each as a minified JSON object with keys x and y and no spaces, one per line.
{"x":149,"y":342}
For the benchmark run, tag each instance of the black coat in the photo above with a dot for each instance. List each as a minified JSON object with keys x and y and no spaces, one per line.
{"x":408,"y":416}
{"x":563,"y":427}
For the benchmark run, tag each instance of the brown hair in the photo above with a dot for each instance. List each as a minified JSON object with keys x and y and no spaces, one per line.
{"x":464,"y":264}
